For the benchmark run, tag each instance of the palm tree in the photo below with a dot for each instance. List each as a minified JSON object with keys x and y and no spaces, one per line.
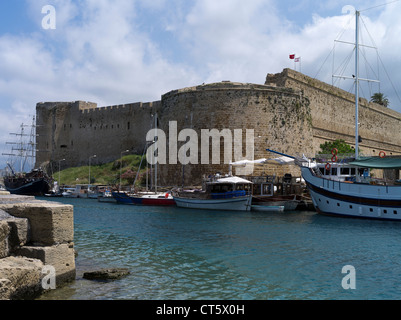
{"x":380,"y":98}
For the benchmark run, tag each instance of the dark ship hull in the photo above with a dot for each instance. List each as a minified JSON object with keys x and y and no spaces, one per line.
{"x":35,"y":183}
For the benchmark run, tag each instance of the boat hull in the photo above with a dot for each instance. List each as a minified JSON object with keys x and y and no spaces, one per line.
{"x":290,"y":203}
{"x":37,"y":187}
{"x":122,"y":198}
{"x":231,"y":204}
{"x":355,"y":200}
{"x":146,"y":200}
{"x":268,"y":208}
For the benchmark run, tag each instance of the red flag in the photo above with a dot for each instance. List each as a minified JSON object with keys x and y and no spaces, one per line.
{"x":292,"y":56}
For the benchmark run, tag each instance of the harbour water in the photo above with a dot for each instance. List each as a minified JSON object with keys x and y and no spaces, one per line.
{"x":179,"y":254}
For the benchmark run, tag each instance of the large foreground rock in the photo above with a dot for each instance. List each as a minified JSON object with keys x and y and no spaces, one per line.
{"x":61,"y":257}
{"x":51,"y":223}
{"x":18,"y":233}
{"x":20,"y":278}
{"x":36,"y":242}
{"x":107,"y":274}
{"x":4,"y":235}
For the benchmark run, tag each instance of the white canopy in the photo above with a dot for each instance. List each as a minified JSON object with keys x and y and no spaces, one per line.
{"x":245,"y":162}
{"x":282,"y":160}
{"x":279,"y":160}
{"x":232,"y":179}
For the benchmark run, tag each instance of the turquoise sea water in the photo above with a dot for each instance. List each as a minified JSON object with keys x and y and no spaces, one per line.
{"x":180,"y":254}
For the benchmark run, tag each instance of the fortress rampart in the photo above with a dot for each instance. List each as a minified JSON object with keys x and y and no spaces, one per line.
{"x":290,"y":113}
{"x":279,"y":117}
{"x":78,"y":130}
{"x":333,"y":115}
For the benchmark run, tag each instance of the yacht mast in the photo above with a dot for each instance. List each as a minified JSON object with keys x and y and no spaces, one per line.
{"x":357,"y":14}
{"x":356,"y":77}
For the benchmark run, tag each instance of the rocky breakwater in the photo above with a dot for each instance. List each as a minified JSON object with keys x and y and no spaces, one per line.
{"x":36,"y":246}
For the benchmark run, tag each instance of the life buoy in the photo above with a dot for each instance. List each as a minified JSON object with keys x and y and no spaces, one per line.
{"x":334,"y":158}
{"x":334,"y":152}
{"x":328,"y":166}
{"x":166,"y":195}
{"x":382,"y":154}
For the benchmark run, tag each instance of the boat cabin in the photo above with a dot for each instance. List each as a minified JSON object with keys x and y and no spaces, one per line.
{"x":343,"y":172}
{"x":229,"y":187}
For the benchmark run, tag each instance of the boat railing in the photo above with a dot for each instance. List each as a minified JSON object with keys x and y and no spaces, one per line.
{"x":213,"y":177}
{"x":332,"y":157}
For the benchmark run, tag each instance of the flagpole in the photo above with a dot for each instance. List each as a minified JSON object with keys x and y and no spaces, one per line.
{"x":292,"y":57}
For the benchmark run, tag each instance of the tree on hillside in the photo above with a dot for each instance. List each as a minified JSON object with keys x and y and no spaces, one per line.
{"x":380,"y":98}
{"x":339,"y":144}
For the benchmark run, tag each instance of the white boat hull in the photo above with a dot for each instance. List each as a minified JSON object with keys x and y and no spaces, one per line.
{"x":353,"y":199}
{"x":267,"y":208}
{"x":69,"y":195}
{"x":232,"y":204}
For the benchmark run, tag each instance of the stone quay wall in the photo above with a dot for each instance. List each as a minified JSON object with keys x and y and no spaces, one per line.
{"x":36,"y":239}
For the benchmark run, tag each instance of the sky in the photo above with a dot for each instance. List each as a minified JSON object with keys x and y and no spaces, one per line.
{"x":124,"y":51}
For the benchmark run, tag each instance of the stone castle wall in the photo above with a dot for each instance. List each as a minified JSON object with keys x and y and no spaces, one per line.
{"x":333,"y":115}
{"x":78,"y":130}
{"x":290,"y":113}
{"x":280,"y":119}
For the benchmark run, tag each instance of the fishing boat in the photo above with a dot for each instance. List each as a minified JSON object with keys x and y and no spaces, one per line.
{"x":106,"y":195}
{"x":218,"y":193}
{"x":289,"y":203}
{"x":70,"y":192}
{"x":35,"y":182}
{"x":146,"y":198}
{"x":344,"y":186}
{"x":284,"y":192}
{"x":271,"y":193}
